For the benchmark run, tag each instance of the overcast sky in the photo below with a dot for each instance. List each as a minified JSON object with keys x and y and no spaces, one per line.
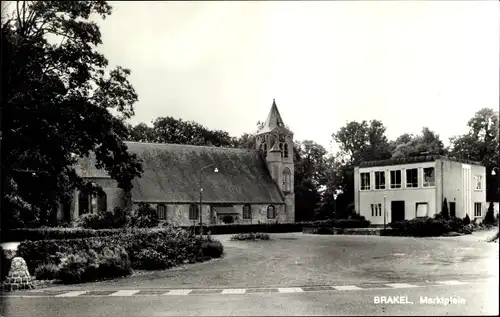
{"x":408,"y":64}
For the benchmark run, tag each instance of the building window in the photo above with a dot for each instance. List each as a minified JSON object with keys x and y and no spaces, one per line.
{"x":412,"y":178}
{"x":161,"y":210}
{"x":380,"y":180}
{"x":478,"y":210}
{"x":287,"y":180}
{"x":247,"y":212}
{"x":479,"y":182}
{"x":102,"y":202}
{"x":271,"y":212}
{"x":429,"y":177}
{"x":265,"y":149}
{"x":286,"y":150}
{"x":365,"y":181}
{"x":281,"y":150}
{"x":376,"y":210}
{"x":84,"y":203}
{"x":193,"y":212}
{"x":396,"y":179}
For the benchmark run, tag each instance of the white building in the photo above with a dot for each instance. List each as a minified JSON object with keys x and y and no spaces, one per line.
{"x":402,"y":189}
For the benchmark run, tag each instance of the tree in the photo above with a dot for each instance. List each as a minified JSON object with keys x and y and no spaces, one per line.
{"x":481,"y":144}
{"x":310,"y":176}
{"x":428,"y":142}
{"x":58,"y":98}
{"x":489,"y":218}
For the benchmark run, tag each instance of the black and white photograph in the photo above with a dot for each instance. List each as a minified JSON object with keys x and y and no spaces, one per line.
{"x":249,"y":158}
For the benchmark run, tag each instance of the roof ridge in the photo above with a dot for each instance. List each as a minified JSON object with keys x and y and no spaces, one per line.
{"x":191,"y":145}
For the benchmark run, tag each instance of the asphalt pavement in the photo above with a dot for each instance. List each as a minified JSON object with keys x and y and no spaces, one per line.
{"x":295,"y":274}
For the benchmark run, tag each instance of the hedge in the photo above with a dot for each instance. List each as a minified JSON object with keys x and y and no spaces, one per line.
{"x":103,"y":257}
{"x":36,"y":234}
{"x":428,"y":227}
{"x":240,"y":228}
{"x":339,"y":223}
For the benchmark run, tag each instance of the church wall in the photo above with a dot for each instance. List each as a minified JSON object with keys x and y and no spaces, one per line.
{"x":178,"y":214}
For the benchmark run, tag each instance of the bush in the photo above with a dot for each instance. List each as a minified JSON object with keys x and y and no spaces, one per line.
{"x":489,"y":218}
{"x":422,"y":227}
{"x":238,"y":228}
{"x":466,"y":220}
{"x":251,"y":236}
{"x":144,"y":217}
{"x":48,"y":271}
{"x":116,"y":255}
{"x":54,"y":233}
{"x":103,"y":219}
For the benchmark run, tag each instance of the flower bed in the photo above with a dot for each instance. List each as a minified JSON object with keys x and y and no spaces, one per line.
{"x":89,"y":259}
{"x":251,"y":236}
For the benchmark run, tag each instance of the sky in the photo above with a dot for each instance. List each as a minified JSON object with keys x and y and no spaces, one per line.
{"x":409,"y":64}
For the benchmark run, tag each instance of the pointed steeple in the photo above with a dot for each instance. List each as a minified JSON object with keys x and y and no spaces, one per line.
{"x":273,"y":119}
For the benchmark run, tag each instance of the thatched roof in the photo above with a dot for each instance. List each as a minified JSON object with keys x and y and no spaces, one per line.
{"x":417,"y":159}
{"x":171,"y":174}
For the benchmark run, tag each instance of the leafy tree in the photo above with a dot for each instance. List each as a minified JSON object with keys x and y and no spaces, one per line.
{"x":58,"y":104}
{"x":362,"y":141}
{"x":409,"y":145}
{"x":481,"y":144}
{"x":310,"y":176}
{"x":466,"y":220}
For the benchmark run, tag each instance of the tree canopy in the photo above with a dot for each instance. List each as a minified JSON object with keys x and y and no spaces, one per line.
{"x":61,"y":102}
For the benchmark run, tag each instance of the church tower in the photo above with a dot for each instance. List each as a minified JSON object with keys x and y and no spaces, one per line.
{"x":276,"y":143}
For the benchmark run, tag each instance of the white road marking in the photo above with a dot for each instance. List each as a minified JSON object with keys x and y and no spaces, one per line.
{"x":124,"y":293}
{"x":71,"y":294}
{"x":178,"y":292}
{"x":401,"y":285}
{"x":290,"y":290}
{"x":451,"y":283}
{"x":234,"y":291}
{"x":346,"y":287}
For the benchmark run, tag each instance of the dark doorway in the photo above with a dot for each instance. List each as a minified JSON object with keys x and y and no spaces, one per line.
{"x":228,"y":219}
{"x":66,"y":211}
{"x":452,"y":209}
{"x":397,"y":210}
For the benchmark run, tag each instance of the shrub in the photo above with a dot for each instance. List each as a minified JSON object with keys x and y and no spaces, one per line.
{"x":238,"y":228}
{"x":466,"y":220}
{"x":36,"y":234}
{"x":114,"y":262}
{"x":251,"y":236}
{"x":212,"y":249}
{"x":144,"y":217}
{"x":47,"y":271}
{"x":422,"y":227}
{"x":155,"y":248}
{"x":323,"y":230}
{"x":103,"y":219}
{"x":79,"y":267}
{"x":489,"y":218}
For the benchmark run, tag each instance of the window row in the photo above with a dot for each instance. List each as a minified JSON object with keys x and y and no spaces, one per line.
{"x":194,"y":212}
{"x":395,"y":179}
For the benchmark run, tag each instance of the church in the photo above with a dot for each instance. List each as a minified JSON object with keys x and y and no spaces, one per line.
{"x":227,"y":185}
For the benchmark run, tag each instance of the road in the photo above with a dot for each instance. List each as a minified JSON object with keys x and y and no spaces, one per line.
{"x":293,"y":274}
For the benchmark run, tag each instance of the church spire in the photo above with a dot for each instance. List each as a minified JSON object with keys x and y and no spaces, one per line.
{"x":273,"y":119}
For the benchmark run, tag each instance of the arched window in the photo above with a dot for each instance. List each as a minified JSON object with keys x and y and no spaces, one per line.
{"x":161,"y":210}
{"x":271,"y":212}
{"x":286,"y":150}
{"x":83,"y":203}
{"x":193,"y":212}
{"x":281,"y":149}
{"x":265,"y":149}
{"x":102,"y":202}
{"x":287,"y":180}
{"x":247,"y":212}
